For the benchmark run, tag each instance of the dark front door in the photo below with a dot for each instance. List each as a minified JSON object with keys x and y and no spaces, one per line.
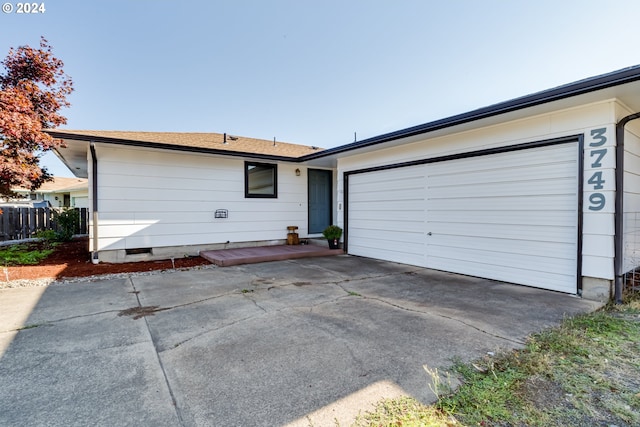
{"x":320,"y":184}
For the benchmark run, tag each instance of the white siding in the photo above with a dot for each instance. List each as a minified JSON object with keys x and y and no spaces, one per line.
{"x":152,"y":198}
{"x":597,"y":258}
{"x":386,"y":215}
{"x":510,"y":216}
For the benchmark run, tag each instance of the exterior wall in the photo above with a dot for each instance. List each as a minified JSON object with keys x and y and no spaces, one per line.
{"x":80,"y":199}
{"x":162,"y":199}
{"x":598,"y":230}
{"x":51,"y":198}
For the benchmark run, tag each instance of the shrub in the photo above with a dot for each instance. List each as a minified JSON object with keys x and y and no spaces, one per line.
{"x":68,"y":221}
{"x":332,"y":232}
{"x":46,"y":235}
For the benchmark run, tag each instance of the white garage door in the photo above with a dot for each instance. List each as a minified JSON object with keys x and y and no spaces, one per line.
{"x":510,"y":216}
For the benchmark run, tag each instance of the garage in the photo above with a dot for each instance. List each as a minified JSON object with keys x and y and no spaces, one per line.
{"x":510,"y":214}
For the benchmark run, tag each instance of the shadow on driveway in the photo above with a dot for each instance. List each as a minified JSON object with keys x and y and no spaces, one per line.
{"x":288,"y":343}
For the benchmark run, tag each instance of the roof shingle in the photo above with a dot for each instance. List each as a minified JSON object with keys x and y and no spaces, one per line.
{"x":209,"y":141}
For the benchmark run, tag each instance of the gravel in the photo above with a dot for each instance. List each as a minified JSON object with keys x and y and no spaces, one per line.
{"x":30,"y":283}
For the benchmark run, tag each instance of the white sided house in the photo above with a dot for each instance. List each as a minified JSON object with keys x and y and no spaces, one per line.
{"x":161,"y":195}
{"x":542,"y":190}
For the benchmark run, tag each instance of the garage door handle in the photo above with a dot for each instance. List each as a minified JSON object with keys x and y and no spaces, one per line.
{"x":429,"y":234}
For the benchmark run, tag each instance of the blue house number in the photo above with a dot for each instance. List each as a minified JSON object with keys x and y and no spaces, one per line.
{"x":597,"y":201}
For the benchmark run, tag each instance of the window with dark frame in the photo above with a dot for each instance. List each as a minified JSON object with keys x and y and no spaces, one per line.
{"x":260,"y":180}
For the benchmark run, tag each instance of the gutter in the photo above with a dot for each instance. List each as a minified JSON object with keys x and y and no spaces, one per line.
{"x":181,"y":148}
{"x":619,"y":206}
{"x":94,"y":192}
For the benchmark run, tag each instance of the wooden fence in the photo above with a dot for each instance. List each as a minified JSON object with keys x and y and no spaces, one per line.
{"x":22,"y":223}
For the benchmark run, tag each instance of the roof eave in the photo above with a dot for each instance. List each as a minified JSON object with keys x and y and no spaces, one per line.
{"x":156,"y":145}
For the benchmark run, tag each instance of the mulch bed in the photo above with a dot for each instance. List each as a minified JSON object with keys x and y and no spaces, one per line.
{"x":72,"y":259}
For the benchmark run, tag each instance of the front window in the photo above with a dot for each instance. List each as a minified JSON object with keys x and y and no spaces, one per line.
{"x":260,"y":180}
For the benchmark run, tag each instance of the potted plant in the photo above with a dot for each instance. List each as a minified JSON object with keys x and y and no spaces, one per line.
{"x":332,"y":233}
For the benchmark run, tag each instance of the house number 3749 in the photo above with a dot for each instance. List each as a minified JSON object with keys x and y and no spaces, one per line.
{"x":597,"y":201}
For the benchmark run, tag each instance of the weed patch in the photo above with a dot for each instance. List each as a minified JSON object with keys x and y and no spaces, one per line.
{"x":584,"y":372}
{"x":406,"y":412}
{"x":23,"y":254}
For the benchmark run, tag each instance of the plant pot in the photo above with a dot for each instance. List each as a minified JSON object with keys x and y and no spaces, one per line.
{"x":334,"y":243}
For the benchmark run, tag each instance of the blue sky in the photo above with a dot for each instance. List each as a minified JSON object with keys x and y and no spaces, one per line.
{"x":316,"y":72}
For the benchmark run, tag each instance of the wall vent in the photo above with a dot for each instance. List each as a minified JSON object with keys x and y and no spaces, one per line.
{"x":137,"y":251}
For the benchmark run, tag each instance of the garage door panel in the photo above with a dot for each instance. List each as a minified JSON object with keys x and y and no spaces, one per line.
{"x":546,"y":217}
{"x":406,"y":194}
{"x":544,"y":157}
{"x":497,"y":176}
{"x":391,"y":206}
{"x":538,"y":279}
{"x":508,"y":216}
{"x":515,"y":204}
{"x":497,"y":259}
{"x":501,"y":232}
{"x":389,"y":186}
{"x":389,"y":180}
{"x":390,"y":239}
{"x":407,"y":226}
{"x":488,"y":244}
{"x":404,"y":247}
{"x":383,"y":238}
{"x":395,"y":254}
{"x":490,"y":183}
{"x":388,"y":215}
{"x":562,"y":186}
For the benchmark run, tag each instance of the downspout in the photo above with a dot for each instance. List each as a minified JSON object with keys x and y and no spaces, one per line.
{"x":94,"y":187}
{"x":619,"y":206}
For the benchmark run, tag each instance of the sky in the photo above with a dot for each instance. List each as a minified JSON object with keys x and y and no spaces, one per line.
{"x":317,"y":73}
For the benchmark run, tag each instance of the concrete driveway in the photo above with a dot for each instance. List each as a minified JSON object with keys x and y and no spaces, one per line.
{"x":288,"y":343}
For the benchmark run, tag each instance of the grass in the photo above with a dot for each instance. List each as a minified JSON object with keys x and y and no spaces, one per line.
{"x":30,"y":326}
{"x":584,"y":372}
{"x":24,"y":254}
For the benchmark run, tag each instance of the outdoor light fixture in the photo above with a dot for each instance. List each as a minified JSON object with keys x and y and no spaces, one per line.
{"x":297,"y":172}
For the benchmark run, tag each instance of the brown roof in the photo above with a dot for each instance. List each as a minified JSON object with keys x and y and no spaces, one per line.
{"x":207,"y":141}
{"x":60,"y":185}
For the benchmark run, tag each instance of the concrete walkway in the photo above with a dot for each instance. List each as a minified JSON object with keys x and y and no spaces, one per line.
{"x":288,"y":343}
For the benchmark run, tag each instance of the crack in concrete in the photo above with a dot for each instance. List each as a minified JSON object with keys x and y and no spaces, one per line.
{"x":255,"y":303}
{"x":43,"y":352}
{"x":213,"y":330}
{"x":444,"y":317}
{"x":248,"y":318}
{"x":273,"y":283}
{"x":365,"y":277}
{"x":357,"y":360}
{"x":350,"y":293}
{"x":62,"y":319}
{"x":455,"y":319}
{"x":98,"y":313}
{"x":162,"y":368}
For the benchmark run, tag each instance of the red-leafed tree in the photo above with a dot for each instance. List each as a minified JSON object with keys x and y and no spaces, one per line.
{"x":33,"y":88}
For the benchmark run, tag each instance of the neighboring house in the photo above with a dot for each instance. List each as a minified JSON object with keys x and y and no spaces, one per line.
{"x":61,"y":192}
{"x":542,"y":190}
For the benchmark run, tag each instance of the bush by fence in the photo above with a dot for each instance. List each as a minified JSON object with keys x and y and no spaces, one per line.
{"x":23,"y":223}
